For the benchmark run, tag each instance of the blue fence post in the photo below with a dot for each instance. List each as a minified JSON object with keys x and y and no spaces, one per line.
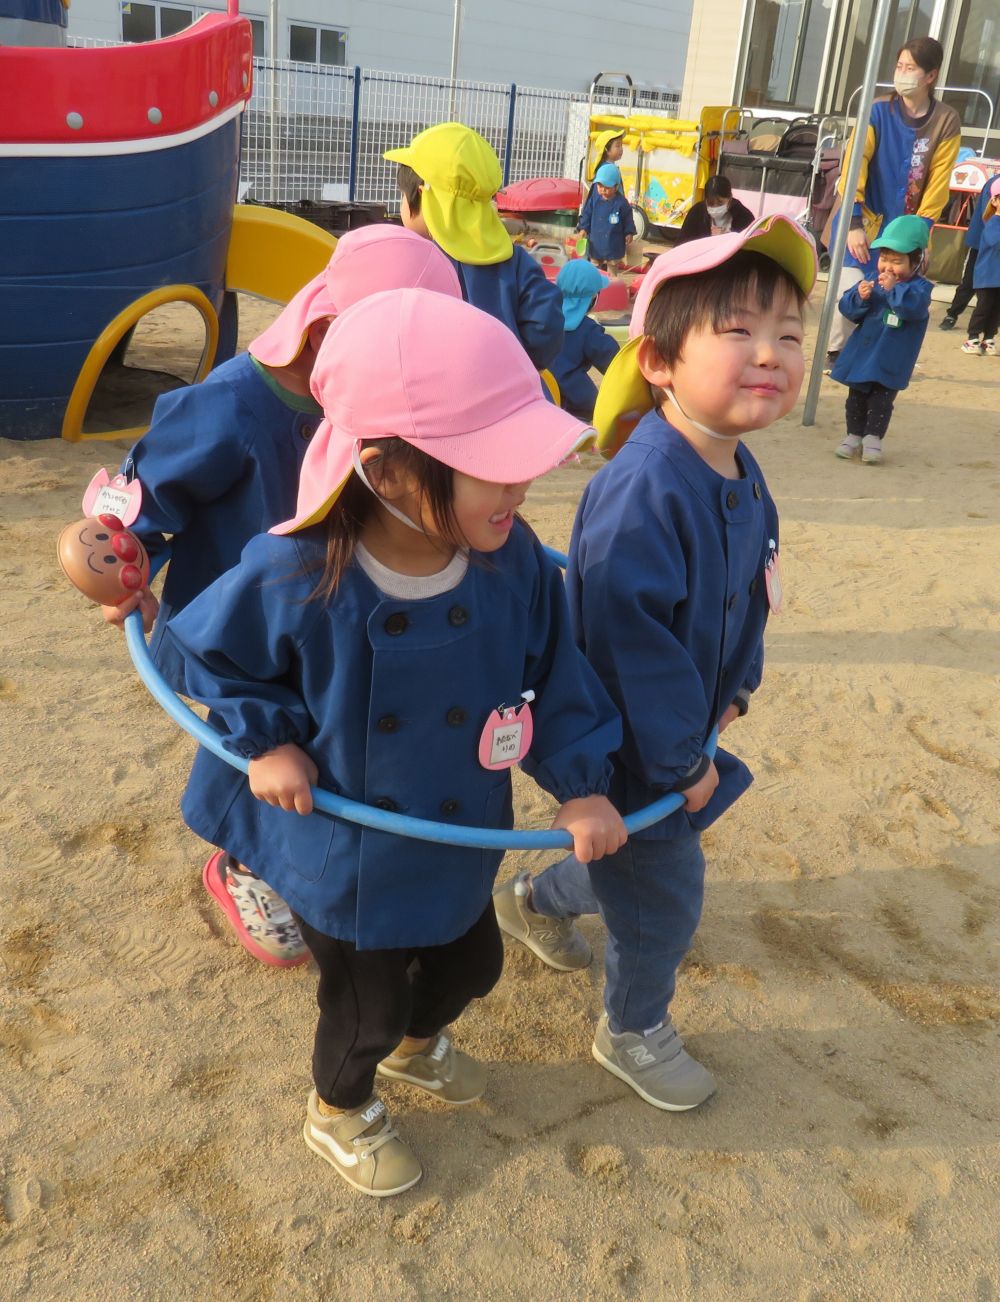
{"x":352,"y":178}
{"x":508,"y":152}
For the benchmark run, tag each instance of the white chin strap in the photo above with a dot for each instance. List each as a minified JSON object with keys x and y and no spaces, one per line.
{"x":388,"y":506}
{"x":725,"y":438}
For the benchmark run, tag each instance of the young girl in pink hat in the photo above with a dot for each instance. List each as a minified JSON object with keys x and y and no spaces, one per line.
{"x":221,"y":463}
{"x":374,"y":644}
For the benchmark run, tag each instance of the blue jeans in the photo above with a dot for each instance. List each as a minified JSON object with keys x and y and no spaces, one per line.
{"x":649,"y":895}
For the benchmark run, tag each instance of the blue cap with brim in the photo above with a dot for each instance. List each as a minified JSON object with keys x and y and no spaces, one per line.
{"x":579,"y":282}
{"x":609,"y":175}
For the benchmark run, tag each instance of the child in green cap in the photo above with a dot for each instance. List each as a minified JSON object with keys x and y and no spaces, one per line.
{"x":878,"y":359}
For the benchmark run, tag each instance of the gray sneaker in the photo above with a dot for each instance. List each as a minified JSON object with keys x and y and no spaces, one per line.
{"x":656,"y":1066}
{"x":362,"y":1148}
{"x":871,"y":450}
{"x":556,"y":941}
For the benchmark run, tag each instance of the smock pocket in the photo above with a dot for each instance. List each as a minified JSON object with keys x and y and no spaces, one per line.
{"x":304,"y":841}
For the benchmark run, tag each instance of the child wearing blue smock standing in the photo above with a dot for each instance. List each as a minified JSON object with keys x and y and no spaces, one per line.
{"x":221,"y":463}
{"x":966,"y":289}
{"x":609,"y":147}
{"x":402,"y":640}
{"x":672,"y":572}
{"x":586,"y":344}
{"x":878,"y":359}
{"x":609,"y":224}
{"x":448,"y":176}
{"x":985,"y":319}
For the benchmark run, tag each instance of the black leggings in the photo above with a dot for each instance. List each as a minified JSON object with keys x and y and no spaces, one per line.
{"x":370,"y":998}
{"x":869,"y":410}
{"x":985,"y":318}
{"x":965,"y":292}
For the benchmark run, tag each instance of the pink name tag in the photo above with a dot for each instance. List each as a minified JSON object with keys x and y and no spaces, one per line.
{"x":772,"y":581}
{"x":507,"y":736}
{"x":113,"y":496}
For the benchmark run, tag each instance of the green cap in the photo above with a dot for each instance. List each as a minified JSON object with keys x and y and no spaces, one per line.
{"x":904,"y":235}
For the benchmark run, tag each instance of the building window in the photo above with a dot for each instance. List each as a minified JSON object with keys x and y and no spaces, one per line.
{"x":975,"y":61}
{"x":786,"y":50}
{"x":259,"y":37}
{"x":308,"y":44}
{"x":149,"y":22}
{"x":907,"y":20}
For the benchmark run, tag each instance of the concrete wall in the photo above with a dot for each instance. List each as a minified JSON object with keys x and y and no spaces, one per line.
{"x":713,"y":48}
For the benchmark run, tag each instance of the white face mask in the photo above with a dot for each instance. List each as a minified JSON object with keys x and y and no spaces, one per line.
{"x":717,"y":212}
{"x":906,"y":83}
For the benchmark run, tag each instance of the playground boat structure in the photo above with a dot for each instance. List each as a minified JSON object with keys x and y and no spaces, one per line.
{"x":118,"y":177}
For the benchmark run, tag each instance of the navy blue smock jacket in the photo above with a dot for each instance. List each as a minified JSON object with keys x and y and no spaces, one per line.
{"x":666,"y":589}
{"x":220,"y":464}
{"x":607,"y":223}
{"x":987,"y":272}
{"x":586,"y":346}
{"x":517,"y":293}
{"x":877,"y":353}
{"x":390,"y":698}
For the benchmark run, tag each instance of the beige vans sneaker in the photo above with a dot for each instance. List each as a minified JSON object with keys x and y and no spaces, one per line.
{"x":362,"y":1148}
{"x":441,"y":1070}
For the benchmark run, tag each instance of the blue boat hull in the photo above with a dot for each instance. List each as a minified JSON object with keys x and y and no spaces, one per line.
{"x":83,"y":237}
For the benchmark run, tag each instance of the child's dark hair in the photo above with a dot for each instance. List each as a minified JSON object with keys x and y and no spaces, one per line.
{"x":682,"y":304}
{"x":409,"y":183}
{"x":355,"y":504}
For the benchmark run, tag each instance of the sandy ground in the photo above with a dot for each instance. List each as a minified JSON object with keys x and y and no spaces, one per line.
{"x":843,"y":985}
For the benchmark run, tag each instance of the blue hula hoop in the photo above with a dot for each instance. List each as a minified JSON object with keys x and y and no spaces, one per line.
{"x":380,"y":820}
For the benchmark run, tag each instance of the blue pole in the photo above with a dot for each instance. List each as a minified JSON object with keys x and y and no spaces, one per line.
{"x":508,"y":152}
{"x":352,"y":179}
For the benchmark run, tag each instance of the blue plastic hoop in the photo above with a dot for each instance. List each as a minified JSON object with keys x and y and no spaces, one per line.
{"x":381,"y":820}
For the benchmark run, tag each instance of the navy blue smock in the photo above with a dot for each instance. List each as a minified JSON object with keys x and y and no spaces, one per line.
{"x":666,"y":589}
{"x":517,"y":293}
{"x":390,"y":698}
{"x":220,"y":463}
{"x":586,"y":346}
{"x":607,"y":223}
{"x":877,"y":353}
{"x":987,"y":272}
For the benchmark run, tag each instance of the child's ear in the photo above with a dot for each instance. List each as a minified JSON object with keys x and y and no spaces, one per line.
{"x":388,"y":479}
{"x":651,"y":364}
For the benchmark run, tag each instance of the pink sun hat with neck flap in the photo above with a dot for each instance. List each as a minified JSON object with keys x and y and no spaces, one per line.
{"x":365,"y":261}
{"x":439,"y":373}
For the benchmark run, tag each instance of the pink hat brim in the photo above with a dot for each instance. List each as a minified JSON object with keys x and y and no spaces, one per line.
{"x":284,"y":338}
{"x":520,"y":446}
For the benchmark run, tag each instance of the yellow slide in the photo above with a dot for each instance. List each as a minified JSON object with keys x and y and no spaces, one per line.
{"x":272,"y":254}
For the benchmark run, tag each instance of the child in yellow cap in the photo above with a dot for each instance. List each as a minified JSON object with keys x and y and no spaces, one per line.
{"x":448,"y":176}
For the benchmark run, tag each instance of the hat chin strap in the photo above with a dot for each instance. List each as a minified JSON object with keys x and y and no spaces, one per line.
{"x":724,"y":438}
{"x":393,"y":510}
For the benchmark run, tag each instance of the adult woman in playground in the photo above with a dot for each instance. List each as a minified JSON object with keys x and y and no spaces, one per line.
{"x":910,"y":148}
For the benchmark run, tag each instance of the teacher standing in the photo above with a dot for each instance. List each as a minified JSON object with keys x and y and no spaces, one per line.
{"x":909,"y":151}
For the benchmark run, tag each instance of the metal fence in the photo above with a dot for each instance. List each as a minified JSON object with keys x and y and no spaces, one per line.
{"x":313,"y":131}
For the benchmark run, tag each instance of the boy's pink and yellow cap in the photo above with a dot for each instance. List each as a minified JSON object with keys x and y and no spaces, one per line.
{"x":365,"y":261}
{"x":460,"y":173}
{"x":624,"y":396}
{"x":442,"y":375}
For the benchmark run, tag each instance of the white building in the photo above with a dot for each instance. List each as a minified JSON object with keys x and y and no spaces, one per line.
{"x":562,"y":46}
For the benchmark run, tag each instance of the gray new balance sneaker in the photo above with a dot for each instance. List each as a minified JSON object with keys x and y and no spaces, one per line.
{"x":556,"y":941}
{"x":656,"y":1066}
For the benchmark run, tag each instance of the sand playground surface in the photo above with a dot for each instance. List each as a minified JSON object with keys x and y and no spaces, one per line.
{"x":843,"y":985}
